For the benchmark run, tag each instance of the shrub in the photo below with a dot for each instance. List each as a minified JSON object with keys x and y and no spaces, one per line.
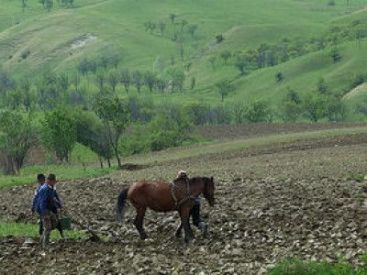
{"x":219,"y":38}
{"x":259,"y":111}
{"x":164,"y":131}
{"x":25,"y":54}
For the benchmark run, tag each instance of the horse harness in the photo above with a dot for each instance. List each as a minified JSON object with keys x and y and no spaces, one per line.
{"x":188,"y":196}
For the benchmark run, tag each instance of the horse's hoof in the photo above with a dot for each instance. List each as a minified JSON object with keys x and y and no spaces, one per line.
{"x":189,"y":239}
{"x":178,"y":234}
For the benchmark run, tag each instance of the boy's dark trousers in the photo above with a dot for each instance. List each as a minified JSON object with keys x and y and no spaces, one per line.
{"x":195,"y":214}
{"x":58,"y":227}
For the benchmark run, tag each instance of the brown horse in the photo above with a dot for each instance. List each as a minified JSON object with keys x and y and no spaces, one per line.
{"x":165,"y":197}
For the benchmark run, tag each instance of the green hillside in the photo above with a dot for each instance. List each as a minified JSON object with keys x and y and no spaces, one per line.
{"x":35,"y":40}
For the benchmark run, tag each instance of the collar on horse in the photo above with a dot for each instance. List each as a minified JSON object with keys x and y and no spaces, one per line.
{"x":188,"y":195}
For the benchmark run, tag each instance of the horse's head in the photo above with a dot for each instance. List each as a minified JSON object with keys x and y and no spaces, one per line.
{"x":208,"y":191}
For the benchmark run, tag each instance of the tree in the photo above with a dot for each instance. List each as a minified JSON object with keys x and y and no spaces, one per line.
{"x":322,"y":87}
{"x":125,"y":79}
{"x":258,"y":111}
{"x":50,"y":92}
{"x":193,"y":83}
{"x":137,"y":79}
{"x":239,"y":111}
{"x":335,"y":55}
{"x":109,"y":57}
{"x":279,"y":77}
{"x":67,"y":3}
{"x":43,"y":2}
{"x":183,"y":23}
{"x":24,"y":4}
{"x":92,"y":133}
{"x":212,"y":61}
{"x":315,"y":106}
{"x":172,"y":17}
{"x":113,"y":80}
{"x":241,"y":64}
{"x":150,"y":80}
{"x":161,"y":85}
{"x":113,"y":112}
{"x":224,"y":87}
{"x":178,"y":79}
{"x":162,"y":27}
{"x":59,"y":133}
{"x":86,"y":65}
{"x":6,"y":82}
{"x":48,"y":4}
{"x":28,"y":96}
{"x":17,"y":136}
{"x":291,"y":106}
{"x":14,"y":99}
{"x":293,"y":96}
{"x":336,"y":110}
{"x":226,"y":55}
{"x":192,"y":29}
{"x":219,"y":38}
{"x":100,"y":79}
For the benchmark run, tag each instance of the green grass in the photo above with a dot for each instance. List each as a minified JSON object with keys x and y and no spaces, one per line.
{"x":31,"y":230}
{"x":245,"y":24}
{"x":297,"y":267}
{"x":63,"y":173}
{"x":83,"y":164}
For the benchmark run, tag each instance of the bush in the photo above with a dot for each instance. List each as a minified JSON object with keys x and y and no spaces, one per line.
{"x":291,"y":111}
{"x":259,"y":111}
{"x":219,"y":38}
{"x":331,"y":3}
{"x":165,"y":130}
{"x":358,"y":80}
{"x":315,"y":106}
{"x":336,"y":110}
{"x":25,"y":54}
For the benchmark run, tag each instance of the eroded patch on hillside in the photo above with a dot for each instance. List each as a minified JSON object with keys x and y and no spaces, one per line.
{"x":357,"y":91}
{"x":83,"y":41}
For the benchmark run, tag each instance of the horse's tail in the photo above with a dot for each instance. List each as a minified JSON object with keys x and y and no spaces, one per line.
{"x":121,"y":202}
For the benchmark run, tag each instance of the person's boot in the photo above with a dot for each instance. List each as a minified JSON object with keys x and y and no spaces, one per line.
{"x":204,"y":229}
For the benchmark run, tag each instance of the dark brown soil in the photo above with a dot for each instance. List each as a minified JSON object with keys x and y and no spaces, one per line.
{"x":288,"y":200}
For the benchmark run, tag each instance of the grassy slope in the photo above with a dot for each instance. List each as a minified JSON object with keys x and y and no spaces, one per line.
{"x":76,"y":171}
{"x":118,"y":24}
{"x":216,"y":147}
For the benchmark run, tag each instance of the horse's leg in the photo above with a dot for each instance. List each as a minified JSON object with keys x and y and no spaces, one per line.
{"x":140,"y":212}
{"x":179,"y":231}
{"x":185,"y":222}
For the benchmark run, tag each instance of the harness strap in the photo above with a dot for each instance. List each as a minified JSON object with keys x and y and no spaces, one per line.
{"x":188,"y":197}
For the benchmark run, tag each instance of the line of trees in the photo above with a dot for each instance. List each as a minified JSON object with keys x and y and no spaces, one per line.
{"x":267,"y":55}
{"x":315,"y":105}
{"x":172,"y":28}
{"x":49,"y":4}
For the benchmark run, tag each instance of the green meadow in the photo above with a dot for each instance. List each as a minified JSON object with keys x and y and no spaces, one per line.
{"x":57,"y":40}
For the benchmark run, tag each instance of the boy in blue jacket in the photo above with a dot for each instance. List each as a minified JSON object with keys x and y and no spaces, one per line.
{"x":41,"y":179}
{"x":48,"y":206}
